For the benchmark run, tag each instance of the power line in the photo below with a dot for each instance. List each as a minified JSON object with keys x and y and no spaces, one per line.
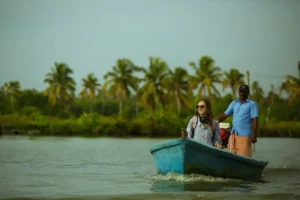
{"x":270,"y":76}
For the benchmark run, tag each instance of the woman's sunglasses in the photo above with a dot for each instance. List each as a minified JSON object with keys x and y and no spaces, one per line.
{"x":200,"y":106}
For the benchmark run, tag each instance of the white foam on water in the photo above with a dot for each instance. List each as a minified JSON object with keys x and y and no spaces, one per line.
{"x":188,"y":178}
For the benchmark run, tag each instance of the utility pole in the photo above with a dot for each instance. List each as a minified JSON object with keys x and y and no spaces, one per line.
{"x":248,"y":79}
{"x":248,"y":83}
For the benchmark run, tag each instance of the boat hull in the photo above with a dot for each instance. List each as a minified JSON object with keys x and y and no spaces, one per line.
{"x":188,"y":156}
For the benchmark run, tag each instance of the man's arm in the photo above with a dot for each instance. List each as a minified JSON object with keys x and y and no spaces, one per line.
{"x":254,"y":130}
{"x":222,"y":117}
{"x":227,"y":113}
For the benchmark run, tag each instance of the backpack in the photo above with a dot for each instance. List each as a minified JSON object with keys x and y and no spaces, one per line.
{"x":195,"y":122}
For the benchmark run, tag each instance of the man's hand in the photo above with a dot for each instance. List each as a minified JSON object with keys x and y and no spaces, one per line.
{"x":253,"y":138}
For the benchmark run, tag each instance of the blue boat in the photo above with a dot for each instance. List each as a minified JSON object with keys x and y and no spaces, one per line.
{"x":188,"y":156}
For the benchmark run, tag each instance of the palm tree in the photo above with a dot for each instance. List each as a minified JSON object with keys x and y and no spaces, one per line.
{"x":90,"y":87}
{"x":257,"y":92}
{"x":233,"y":79}
{"x":272,"y":94}
{"x":176,"y":84}
{"x":121,"y":80}
{"x":151,"y":93}
{"x":11,"y":90}
{"x":61,"y":84}
{"x":292,"y":87}
{"x":207,"y":74}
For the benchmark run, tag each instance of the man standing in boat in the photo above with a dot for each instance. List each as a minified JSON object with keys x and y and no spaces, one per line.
{"x":245,"y":123}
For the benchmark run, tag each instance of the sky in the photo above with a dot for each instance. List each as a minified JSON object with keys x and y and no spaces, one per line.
{"x":262,"y":36}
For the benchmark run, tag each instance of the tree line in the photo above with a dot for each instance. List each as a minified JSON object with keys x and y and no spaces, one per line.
{"x":136,"y":93}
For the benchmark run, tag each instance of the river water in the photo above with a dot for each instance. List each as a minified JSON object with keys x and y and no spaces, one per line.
{"x":109,"y":168}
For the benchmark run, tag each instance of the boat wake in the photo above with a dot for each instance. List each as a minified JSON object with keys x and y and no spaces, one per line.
{"x":173,"y":182}
{"x":188,"y":178}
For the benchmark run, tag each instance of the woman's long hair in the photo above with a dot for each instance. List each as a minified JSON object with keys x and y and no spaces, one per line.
{"x":209,"y":111}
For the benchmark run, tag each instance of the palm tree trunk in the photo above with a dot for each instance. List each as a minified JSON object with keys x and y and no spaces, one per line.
{"x":91,"y":105}
{"x":136,"y":109}
{"x":67,"y":104}
{"x":102,"y":105}
{"x":120,"y":107}
{"x":233,"y":93}
{"x":153,"y":104}
{"x":67,"y":107}
{"x":178,"y":104}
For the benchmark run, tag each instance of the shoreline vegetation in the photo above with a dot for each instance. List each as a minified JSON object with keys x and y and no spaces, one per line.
{"x":135,"y":101}
{"x":93,"y":125}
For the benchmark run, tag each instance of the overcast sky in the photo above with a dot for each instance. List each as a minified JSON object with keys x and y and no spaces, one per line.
{"x":262,"y":36}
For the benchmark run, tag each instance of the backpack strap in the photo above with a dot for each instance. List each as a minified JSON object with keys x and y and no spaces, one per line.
{"x":195,"y":122}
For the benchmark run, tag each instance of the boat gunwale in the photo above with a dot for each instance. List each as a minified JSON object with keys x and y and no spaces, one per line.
{"x":208,"y":148}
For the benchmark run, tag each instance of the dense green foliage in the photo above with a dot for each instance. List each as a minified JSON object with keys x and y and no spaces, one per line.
{"x":153,"y":101}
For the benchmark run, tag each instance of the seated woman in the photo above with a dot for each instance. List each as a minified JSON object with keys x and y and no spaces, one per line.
{"x":202,"y":127}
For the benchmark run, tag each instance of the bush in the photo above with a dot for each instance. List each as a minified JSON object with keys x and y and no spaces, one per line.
{"x":29,"y":110}
{"x":107,"y":126}
{"x":280,"y":129}
{"x":158,"y":124}
{"x":89,"y":121}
